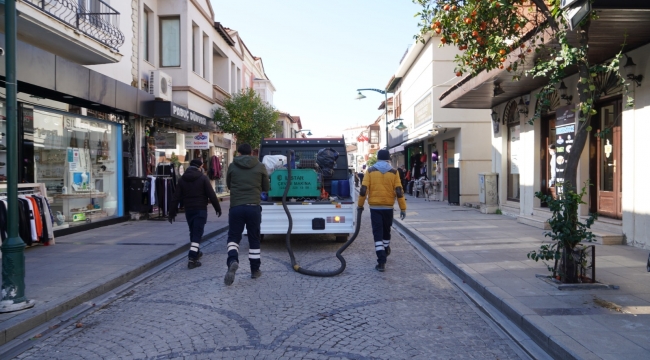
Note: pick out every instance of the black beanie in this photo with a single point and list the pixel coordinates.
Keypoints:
(196, 162)
(383, 155)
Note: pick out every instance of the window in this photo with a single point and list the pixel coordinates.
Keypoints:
(374, 134)
(146, 35)
(206, 56)
(280, 132)
(398, 105)
(170, 42)
(195, 48)
(511, 115)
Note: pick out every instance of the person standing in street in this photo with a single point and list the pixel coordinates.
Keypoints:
(382, 185)
(361, 174)
(247, 179)
(194, 189)
(401, 170)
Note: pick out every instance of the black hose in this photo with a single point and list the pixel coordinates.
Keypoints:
(294, 264)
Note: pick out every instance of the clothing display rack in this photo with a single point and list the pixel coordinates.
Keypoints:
(36, 222)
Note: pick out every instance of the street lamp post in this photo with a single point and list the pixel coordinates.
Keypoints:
(399, 127)
(299, 131)
(13, 248)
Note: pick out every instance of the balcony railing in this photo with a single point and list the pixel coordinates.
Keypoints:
(94, 18)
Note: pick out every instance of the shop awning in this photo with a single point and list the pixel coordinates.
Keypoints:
(182, 117)
(415, 139)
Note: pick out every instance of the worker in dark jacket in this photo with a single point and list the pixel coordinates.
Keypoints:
(195, 190)
(246, 179)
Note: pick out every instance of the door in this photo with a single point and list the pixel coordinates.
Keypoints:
(609, 157)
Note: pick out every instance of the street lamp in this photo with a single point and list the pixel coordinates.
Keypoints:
(13, 248)
(400, 127)
(299, 131)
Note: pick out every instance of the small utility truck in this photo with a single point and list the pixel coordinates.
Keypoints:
(321, 196)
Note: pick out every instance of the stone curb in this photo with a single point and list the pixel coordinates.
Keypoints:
(38, 315)
(555, 342)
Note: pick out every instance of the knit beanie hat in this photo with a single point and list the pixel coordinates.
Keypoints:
(196, 162)
(383, 155)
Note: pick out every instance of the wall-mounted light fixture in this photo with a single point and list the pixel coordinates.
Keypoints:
(523, 108)
(498, 90)
(495, 116)
(630, 70)
(563, 93)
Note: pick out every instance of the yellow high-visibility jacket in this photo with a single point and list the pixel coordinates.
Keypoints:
(382, 189)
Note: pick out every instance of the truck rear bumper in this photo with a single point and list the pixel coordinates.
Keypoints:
(274, 219)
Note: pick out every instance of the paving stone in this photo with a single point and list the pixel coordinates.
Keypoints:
(409, 311)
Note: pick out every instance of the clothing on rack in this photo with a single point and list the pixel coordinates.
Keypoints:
(34, 219)
(214, 168)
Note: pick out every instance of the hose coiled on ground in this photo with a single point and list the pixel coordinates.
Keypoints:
(294, 264)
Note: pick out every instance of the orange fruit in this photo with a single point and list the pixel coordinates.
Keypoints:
(446, 7)
(438, 30)
(502, 51)
(458, 73)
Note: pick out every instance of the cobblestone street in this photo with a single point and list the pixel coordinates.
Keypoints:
(410, 311)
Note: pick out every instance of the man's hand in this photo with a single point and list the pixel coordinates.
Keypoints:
(218, 213)
(171, 218)
(402, 215)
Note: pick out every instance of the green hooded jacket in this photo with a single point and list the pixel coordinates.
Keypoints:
(246, 179)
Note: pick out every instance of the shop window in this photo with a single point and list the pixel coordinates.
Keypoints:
(170, 42)
(76, 158)
(511, 116)
(146, 34)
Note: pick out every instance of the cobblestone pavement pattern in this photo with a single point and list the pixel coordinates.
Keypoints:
(410, 311)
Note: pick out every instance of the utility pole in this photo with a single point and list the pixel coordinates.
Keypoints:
(13, 248)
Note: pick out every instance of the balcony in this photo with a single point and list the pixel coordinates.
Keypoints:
(83, 31)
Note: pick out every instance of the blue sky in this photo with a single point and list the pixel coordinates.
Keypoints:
(317, 53)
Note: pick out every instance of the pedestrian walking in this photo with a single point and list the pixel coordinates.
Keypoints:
(382, 185)
(361, 174)
(194, 190)
(402, 175)
(247, 179)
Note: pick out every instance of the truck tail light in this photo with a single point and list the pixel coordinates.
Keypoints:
(336, 219)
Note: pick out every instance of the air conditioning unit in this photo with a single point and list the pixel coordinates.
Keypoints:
(160, 85)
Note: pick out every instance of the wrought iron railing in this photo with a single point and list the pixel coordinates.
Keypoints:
(94, 18)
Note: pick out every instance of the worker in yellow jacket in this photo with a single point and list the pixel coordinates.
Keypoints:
(381, 184)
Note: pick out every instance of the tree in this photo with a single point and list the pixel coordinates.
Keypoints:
(248, 117)
(372, 160)
(488, 32)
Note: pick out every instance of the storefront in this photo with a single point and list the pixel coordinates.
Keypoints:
(175, 136)
(75, 156)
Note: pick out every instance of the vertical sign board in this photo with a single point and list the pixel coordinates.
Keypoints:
(565, 129)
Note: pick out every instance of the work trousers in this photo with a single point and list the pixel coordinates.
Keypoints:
(381, 220)
(249, 216)
(196, 220)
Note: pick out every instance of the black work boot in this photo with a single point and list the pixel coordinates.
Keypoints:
(381, 267)
(191, 264)
(230, 274)
(387, 250)
(200, 255)
(256, 273)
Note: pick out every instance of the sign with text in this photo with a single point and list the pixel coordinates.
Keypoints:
(199, 141)
(565, 125)
(165, 140)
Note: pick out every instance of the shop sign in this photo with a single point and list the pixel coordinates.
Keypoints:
(165, 140)
(75, 123)
(199, 141)
(565, 124)
(186, 114)
(220, 141)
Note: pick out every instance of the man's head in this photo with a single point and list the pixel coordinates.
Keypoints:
(196, 163)
(244, 149)
(383, 155)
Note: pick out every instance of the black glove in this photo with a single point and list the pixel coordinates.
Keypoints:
(171, 218)
(218, 213)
